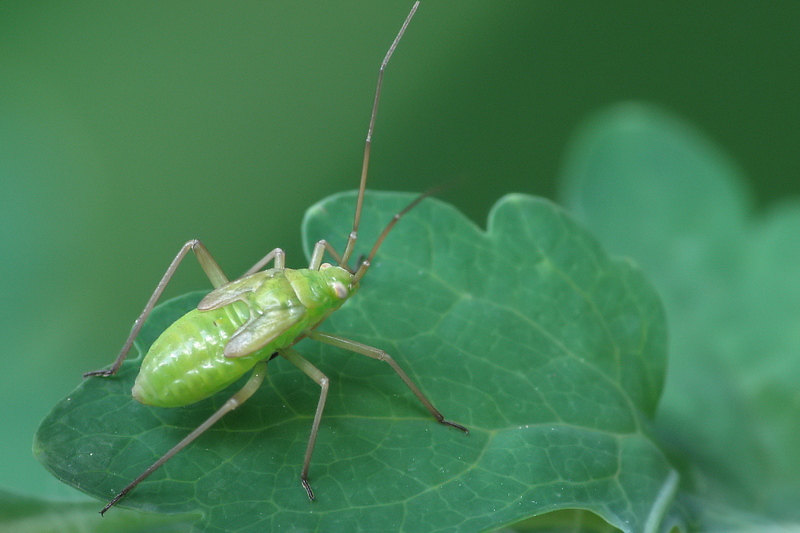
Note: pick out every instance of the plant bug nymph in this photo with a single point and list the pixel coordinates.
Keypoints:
(244, 323)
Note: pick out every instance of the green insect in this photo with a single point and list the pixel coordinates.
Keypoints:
(243, 324)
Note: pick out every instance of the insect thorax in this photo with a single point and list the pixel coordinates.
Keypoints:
(327, 287)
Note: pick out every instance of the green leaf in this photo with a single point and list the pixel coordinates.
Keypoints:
(657, 190)
(551, 353)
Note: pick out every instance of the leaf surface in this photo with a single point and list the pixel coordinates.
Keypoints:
(550, 352)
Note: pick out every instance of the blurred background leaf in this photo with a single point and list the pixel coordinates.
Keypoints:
(28, 514)
(128, 128)
(655, 189)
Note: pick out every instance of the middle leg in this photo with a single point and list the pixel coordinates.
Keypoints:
(322, 380)
(277, 254)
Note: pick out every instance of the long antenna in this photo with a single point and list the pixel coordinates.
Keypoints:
(365, 264)
(351, 240)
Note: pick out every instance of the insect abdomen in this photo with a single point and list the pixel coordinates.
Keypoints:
(186, 363)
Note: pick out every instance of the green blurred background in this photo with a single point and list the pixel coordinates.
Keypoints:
(128, 128)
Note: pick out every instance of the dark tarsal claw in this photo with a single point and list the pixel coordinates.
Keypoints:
(101, 373)
(308, 489)
(456, 425)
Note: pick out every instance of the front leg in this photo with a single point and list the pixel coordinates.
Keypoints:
(319, 252)
(380, 355)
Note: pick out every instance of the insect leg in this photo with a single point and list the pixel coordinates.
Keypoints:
(277, 254)
(380, 355)
(322, 380)
(259, 372)
(319, 252)
(210, 267)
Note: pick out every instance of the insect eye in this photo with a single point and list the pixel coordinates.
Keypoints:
(341, 290)
(324, 266)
